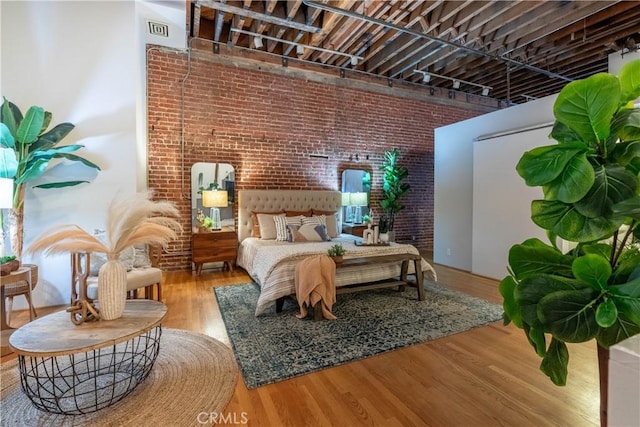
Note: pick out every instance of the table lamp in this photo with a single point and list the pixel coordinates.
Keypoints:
(6, 202)
(358, 200)
(215, 199)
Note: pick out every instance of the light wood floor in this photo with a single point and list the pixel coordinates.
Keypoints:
(488, 376)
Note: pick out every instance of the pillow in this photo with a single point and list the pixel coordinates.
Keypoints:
(267, 225)
(141, 256)
(255, 229)
(282, 232)
(308, 212)
(308, 233)
(331, 221)
(317, 220)
(98, 259)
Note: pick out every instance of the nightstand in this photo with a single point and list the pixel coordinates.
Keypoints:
(214, 246)
(354, 229)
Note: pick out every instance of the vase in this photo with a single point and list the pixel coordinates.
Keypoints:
(337, 259)
(112, 289)
(384, 237)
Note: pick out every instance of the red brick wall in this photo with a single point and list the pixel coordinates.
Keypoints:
(267, 126)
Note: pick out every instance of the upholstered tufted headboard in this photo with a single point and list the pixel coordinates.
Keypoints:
(276, 200)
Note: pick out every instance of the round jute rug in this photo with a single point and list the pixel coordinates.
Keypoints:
(194, 376)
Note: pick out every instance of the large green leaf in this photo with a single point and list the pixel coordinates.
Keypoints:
(6, 139)
(51, 138)
(625, 152)
(510, 306)
(626, 124)
(555, 362)
(622, 329)
(568, 223)
(544, 164)
(592, 269)
(630, 81)
(587, 106)
(602, 249)
(628, 265)
(35, 170)
(629, 207)
(612, 184)
(563, 133)
(570, 315)
(8, 163)
(627, 299)
(31, 125)
(11, 116)
(76, 158)
(538, 341)
(60, 184)
(574, 181)
(532, 289)
(533, 257)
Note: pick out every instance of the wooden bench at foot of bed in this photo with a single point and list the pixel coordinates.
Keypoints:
(401, 282)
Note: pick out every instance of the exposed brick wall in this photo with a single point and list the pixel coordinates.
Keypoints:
(267, 126)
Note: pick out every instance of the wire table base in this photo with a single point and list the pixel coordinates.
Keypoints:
(81, 383)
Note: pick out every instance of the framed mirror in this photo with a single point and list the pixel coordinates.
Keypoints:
(213, 176)
(356, 186)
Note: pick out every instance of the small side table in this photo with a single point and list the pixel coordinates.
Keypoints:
(76, 369)
(214, 246)
(26, 273)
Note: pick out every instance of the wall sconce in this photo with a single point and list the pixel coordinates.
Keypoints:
(257, 41)
(456, 84)
(215, 199)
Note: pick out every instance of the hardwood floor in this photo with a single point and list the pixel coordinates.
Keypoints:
(488, 376)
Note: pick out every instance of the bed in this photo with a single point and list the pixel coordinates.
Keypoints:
(272, 263)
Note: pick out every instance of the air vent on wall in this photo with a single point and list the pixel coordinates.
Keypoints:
(157, 29)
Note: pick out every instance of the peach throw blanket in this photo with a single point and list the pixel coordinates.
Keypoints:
(316, 283)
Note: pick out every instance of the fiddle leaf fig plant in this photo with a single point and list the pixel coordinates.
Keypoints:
(591, 187)
(393, 186)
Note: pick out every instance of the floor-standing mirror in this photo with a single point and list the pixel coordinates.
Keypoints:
(356, 186)
(214, 241)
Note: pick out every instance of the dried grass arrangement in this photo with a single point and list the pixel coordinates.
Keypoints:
(133, 220)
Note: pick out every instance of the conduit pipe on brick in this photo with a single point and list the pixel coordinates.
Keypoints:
(418, 34)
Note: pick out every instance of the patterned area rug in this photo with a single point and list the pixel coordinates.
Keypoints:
(277, 346)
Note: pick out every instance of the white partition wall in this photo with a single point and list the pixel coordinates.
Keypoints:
(501, 200)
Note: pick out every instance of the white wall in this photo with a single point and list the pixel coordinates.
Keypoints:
(478, 241)
(454, 185)
(84, 62)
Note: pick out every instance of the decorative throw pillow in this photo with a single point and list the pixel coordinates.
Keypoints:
(318, 220)
(309, 233)
(267, 226)
(255, 229)
(99, 259)
(331, 221)
(282, 232)
(141, 256)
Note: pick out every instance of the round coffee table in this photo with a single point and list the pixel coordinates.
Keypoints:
(76, 369)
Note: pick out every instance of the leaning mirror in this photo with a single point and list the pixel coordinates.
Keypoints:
(212, 192)
(356, 185)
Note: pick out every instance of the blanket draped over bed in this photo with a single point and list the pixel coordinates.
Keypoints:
(272, 263)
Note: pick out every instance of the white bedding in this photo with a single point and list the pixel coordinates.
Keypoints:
(272, 264)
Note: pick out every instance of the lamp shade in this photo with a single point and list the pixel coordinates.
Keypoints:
(6, 193)
(215, 199)
(346, 200)
(359, 199)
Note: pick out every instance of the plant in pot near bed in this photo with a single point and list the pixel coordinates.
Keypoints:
(590, 181)
(393, 188)
(336, 253)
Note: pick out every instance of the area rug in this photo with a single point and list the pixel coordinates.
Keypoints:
(276, 346)
(193, 375)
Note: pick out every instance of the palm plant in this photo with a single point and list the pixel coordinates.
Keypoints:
(26, 149)
(131, 221)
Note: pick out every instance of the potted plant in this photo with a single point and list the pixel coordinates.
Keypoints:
(590, 182)
(336, 252)
(26, 148)
(393, 188)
